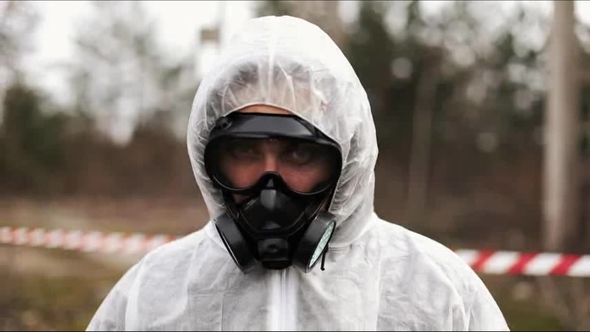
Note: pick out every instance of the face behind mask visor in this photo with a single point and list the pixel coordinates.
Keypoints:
(306, 167)
(282, 170)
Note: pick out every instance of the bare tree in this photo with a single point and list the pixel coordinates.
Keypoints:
(568, 298)
(561, 132)
(419, 170)
(120, 74)
(17, 22)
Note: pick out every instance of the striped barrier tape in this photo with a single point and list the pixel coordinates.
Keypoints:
(489, 262)
(534, 264)
(126, 243)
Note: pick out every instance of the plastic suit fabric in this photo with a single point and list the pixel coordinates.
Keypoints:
(378, 276)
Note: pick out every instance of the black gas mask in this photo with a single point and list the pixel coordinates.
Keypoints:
(277, 175)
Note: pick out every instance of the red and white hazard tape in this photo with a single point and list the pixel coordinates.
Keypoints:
(516, 263)
(489, 262)
(135, 243)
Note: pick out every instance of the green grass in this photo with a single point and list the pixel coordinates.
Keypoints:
(526, 317)
(521, 315)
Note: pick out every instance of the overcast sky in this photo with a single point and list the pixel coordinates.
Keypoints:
(178, 23)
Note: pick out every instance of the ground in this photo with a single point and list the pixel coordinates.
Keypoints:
(54, 289)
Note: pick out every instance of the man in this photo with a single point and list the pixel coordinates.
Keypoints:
(283, 147)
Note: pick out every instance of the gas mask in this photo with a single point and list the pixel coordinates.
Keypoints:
(277, 175)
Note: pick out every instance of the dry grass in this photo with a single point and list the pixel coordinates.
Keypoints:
(51, 289)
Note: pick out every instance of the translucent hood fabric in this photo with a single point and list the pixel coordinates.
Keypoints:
(379, 276)
(291, 64)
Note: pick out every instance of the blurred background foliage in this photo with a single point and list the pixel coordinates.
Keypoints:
(458, 98)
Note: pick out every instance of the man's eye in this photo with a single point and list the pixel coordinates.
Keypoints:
(242, 150)
(302, 154)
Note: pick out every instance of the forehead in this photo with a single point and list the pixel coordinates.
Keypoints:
(264, 109)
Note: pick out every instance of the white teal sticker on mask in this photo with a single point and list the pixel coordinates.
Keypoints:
(321, 245)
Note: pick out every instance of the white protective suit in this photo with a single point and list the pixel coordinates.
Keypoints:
(378, 276)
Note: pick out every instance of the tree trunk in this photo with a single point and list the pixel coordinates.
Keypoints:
(561, 185)
(419, 170)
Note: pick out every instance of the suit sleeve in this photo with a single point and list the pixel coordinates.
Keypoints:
(485, 314)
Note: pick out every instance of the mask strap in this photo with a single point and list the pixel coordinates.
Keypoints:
(324, 258)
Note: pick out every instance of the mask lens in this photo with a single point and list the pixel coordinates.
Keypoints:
(305, 166)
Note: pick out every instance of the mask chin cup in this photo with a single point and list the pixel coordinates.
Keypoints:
(235, 243)
(274, 253)
(314, 242)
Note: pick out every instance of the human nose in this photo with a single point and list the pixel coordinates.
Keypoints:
(271, 160)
